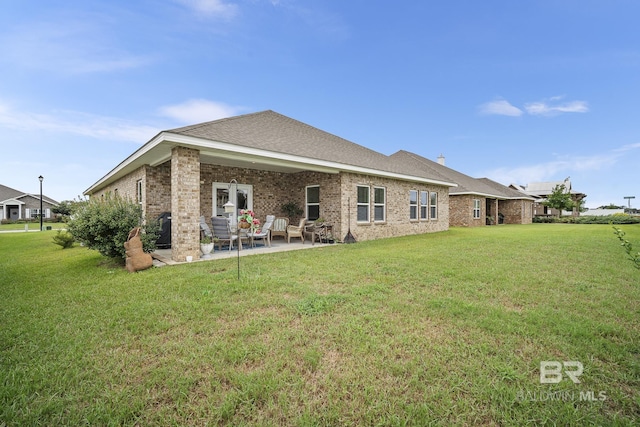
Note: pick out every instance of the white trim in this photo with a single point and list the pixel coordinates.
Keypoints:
(247, 188)
(366, 204)
(168, 140)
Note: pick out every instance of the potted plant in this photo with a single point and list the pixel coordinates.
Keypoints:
(292, 210)
(247, 219)
(206, 246)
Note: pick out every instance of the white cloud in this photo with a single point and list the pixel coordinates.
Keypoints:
(72, 46)
(78, 123)
(628, 147)
(212, 8)
(499, 107)
(556, 169)
(199, 110)
(544, 108)
(548, 107)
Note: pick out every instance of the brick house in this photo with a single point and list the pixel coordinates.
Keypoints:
(16, 205)
(541, 190)
(275, 160)
(475, 201)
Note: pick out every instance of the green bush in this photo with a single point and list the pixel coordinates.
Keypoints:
(590, 219)
(64, 239)
(104, 224)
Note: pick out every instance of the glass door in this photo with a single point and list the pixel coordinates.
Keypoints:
(242, 199)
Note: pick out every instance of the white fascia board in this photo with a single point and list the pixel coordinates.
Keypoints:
(290, 159)
(239, 151)
(491, 196)
(13, 202)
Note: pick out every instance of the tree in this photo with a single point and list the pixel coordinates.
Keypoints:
(559, 199)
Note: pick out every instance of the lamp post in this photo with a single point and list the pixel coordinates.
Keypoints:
(229, 207)
(629, 200)
(40, 178)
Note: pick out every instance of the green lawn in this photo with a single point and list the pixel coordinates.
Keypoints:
(439, 329)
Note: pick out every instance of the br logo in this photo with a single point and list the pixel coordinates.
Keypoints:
(551, 371)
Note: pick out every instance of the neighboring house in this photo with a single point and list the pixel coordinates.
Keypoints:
(16, 205)
(541, 190)
(475, 201)
(192, 171)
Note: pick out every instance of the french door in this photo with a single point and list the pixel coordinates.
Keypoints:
(241, 197)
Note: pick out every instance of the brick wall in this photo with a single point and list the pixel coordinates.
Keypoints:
(461, 211)
(185, 203)
(516, 211)
(397, 222)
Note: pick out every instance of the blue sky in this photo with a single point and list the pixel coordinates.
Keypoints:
(511, 90)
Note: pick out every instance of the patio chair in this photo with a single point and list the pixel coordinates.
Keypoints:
(222, 232)
(312, 230)
(279, 227)
(204, 228)
(296, 230)
(265, 233)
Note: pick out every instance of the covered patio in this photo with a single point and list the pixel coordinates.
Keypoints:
(163, 256)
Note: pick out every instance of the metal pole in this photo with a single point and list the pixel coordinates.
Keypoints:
(41, 178)
(237, 229)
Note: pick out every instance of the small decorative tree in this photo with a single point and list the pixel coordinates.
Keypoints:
(559, 199)
(292, 210)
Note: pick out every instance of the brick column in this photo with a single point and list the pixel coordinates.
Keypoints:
(185, 204)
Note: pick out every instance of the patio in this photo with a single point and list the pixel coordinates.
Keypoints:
(163, 256)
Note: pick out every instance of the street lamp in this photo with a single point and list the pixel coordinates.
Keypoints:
(229, 207)
(40, 178)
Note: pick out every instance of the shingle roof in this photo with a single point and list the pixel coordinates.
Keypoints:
(268, 130)
(8, 193)
(466, 184)
(275, 140)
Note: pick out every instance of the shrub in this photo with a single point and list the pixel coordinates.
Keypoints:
(590, 219)
(628, 247)
(104, 224)
(64, 239)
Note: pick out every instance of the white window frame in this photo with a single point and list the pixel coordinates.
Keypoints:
(224, 186)
(366, 205)
(308, 204)
(413, 205)
(477, 210)
(139, 191)
(377, 205)
(424, 205)
(433, 205)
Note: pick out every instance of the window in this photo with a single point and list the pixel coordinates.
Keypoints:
(413, 204)
(476, 208)
(363, 203)
(243, 199)
(434, 205)
(424, 204)
(379, 203)
(139, 191)
(313, 202)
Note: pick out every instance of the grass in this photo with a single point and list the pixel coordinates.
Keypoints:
(439, 329)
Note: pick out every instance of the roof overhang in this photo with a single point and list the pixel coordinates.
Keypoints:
(158, 151)
(11, 202)
(490, 196)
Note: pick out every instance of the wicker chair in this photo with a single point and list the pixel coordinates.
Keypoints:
(279, 227)
(296, 230)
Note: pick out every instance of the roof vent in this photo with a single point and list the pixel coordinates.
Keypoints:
(441, 159)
